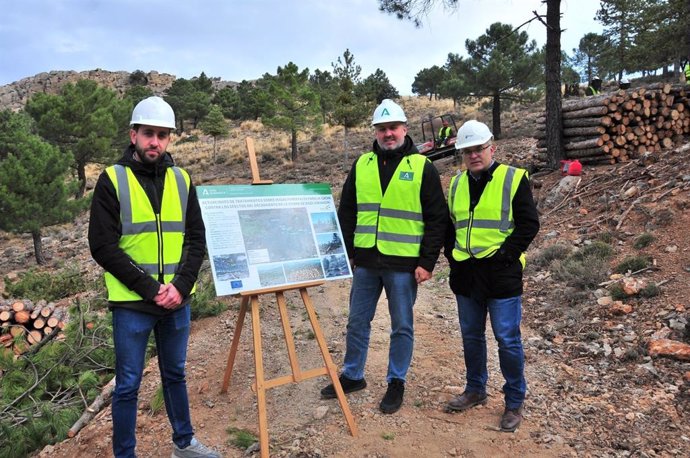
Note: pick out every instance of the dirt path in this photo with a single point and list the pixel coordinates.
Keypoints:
(297, 423)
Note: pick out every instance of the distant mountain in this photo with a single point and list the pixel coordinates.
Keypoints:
(15, 95)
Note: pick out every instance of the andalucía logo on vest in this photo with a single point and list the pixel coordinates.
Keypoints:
(406, 176)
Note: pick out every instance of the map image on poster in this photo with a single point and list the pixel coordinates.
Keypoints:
(270, 236)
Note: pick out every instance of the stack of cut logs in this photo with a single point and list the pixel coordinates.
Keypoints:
(623, 125)
(23, 323)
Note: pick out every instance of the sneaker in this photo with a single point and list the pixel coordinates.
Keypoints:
(195, 449)
(393, 398)
(511, 419)
(347, 384)
(465, 401)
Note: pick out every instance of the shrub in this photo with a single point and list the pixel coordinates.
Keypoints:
(51, 286)
(643, 240)
(240, 438)
(616, 292)
(586, 267)
(650, 290)
(633, 264)
(545, 257)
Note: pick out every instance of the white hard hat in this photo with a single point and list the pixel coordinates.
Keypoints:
(473, 133)
(388, 111)
(153, 111)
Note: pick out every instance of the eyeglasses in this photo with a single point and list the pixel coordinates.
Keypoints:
(477, 151)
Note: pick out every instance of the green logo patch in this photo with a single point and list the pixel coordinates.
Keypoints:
(406, 176)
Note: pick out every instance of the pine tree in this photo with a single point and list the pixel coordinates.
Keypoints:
(295, 104)
(214, 125)
(33, 191)
(87, 122)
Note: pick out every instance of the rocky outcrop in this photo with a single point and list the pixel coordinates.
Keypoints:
(15, 95)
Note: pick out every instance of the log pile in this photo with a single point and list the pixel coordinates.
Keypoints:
(23, 323)
(623, 125)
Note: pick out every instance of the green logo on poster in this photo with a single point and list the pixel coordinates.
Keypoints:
(406, 176)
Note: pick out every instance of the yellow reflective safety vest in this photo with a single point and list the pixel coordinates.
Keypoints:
(153, 241)
(392, 221)
(444, 132)
(686, 70)
(481, 232)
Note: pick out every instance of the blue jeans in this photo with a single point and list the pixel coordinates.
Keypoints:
(505, 316)
(131, 330)
(401, 291)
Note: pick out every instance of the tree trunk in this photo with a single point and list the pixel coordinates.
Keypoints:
(554, 120)
(38, 247)
(293, 144)
(81, 174)
(496, 114)
(214, 149)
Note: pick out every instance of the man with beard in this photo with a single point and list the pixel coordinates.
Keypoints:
(392, 214)
(147, 232)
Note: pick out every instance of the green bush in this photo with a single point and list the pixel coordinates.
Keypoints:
(643, 240)
(545, 257)
(241, 438)
(35, 284)
(650, 290)
(633, 264)
(616, 292)
(586, 267)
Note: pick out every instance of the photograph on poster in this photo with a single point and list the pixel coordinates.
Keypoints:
(270, 236)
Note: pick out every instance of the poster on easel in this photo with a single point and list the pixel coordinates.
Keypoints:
(271, 236)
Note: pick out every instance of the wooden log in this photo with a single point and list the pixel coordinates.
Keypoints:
(47, 310)
(93, 409)
(582, 153)
(582, 145)
(18, 306)
(6, 340)
(587, 102)
(584, 131)
(47, 330)
(583, 122)
(17, 330)
(22, 316)
(34, 337)
(586, 112)
(39, 323)
(6, 316)
(55, 319)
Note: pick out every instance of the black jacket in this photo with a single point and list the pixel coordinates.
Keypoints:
(105, 230)
(434, 211)
(498, 276)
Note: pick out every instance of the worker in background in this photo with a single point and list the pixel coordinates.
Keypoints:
(393, 214)
(147, 233)
(594, 87)
(444, 134)
(686, 71)
(624, 84)
(493, 219)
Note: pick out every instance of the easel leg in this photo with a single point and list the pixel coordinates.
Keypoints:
(235, 344)
(330, 366)
(260, 384)
(289, 340)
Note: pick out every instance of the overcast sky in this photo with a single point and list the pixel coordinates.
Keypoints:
(242, 40)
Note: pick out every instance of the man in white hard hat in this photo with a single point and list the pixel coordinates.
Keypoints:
(147, 233)
(493, 219)
(392, 214)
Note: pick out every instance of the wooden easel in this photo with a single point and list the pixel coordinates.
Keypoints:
(298, 375)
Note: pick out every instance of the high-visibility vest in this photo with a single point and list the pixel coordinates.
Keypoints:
(686, 70)
(594, 91)
(444, 132)
(153, 241)
(481, 232)
(392, 221)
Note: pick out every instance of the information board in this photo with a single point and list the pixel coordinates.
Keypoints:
(263, 236)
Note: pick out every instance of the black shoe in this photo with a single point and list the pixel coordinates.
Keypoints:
(394, 396)
(348, 385)
(465, 401)
(511, 419)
